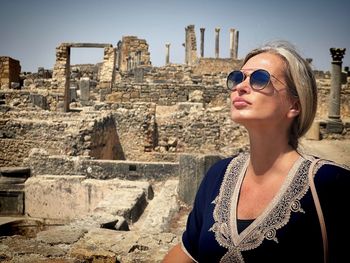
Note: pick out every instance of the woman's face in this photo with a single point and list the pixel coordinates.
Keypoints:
(271, 106)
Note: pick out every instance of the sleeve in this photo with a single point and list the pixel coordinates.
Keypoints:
(334, 186)
(190, 238)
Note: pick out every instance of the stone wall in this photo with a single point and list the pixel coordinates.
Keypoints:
(133, 52)
(136, 128)
(61, 70)
(190, 128)
(107, 72)
(73, 135)
(10, 70)
(41, 163)
(216, 65)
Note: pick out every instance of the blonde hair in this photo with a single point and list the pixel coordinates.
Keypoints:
(301, 85)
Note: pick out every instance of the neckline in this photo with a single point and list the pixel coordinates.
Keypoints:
(238, 237)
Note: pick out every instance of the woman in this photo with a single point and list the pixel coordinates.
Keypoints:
(258, 207)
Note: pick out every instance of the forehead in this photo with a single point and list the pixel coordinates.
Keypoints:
(273, 63)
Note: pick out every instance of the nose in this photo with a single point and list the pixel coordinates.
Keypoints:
(244, 86)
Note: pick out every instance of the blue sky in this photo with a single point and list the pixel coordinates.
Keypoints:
(30, 30)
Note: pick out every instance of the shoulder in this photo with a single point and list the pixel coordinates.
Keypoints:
(332, 174)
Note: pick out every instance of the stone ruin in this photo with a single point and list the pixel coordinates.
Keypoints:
(100, 163)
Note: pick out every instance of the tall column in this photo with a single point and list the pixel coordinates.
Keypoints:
(235, 44)
(334, 123)
(167, 48)
(202, 41)
(186, 46)
(217, 32)
(190, 45)
(232, 37)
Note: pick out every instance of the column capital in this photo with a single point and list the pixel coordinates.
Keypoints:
(232, 30)
(202, 29)
(167, 44)
(337, 54)
(217, 29)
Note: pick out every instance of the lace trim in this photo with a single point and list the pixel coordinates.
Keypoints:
(274, 217)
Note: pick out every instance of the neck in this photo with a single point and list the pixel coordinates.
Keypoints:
(270, 151)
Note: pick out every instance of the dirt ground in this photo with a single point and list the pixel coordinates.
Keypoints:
(334, 150)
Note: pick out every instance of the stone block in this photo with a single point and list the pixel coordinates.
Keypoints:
(79, 197)
(334, 126)
(192, 169)
(314, 132)
(11, 202)
(39, 100)
(84, 86)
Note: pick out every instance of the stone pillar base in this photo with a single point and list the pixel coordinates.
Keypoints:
(335, 126)
(314, 132)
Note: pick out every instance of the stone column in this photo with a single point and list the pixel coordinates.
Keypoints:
(235, 44)
(232, 37)
(186, 46)
(217, 32)
(167, 47)
(202, 41)
(190, 46)
(334, 124)
(67, 99)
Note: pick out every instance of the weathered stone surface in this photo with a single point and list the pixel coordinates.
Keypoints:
(123, 246)
(79, 197)
(22, 246)
(161, 209)
(61, 235)
(192, 170)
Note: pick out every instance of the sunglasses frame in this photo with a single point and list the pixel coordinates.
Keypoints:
(245, 75)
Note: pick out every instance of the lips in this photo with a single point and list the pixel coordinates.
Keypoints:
(239, 102)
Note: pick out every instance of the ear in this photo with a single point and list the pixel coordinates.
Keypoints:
(294, 110)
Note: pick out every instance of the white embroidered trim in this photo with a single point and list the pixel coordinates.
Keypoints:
(186, 252)
(274, 217)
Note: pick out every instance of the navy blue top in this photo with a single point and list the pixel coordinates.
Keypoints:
(290, 232)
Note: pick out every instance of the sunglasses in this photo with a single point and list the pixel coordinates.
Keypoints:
(258, 79)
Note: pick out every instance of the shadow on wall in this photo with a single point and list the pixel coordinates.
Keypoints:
(106, 143)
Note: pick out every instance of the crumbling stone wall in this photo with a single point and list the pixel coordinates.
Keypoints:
(61, 70)
(76, 134)
(136, 127)
(107, 71)
(133, 52)
(199, 130)
(10, 70)
(206, 66)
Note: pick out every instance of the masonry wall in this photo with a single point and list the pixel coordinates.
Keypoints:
(72, 135)
(216, 65)
(130, 46)
(10, 70)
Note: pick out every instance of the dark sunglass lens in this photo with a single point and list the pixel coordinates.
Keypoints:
(259, 79)
(233, 79)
